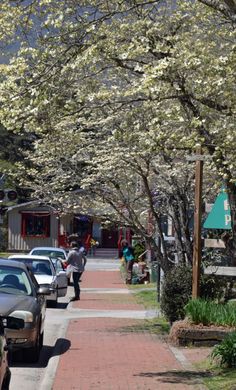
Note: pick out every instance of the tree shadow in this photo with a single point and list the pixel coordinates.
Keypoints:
(176, 377)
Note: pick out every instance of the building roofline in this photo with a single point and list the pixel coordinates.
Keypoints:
(33, 202)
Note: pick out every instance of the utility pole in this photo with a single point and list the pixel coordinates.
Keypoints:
(197, 247)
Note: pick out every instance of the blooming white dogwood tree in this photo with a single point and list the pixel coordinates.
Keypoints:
(119, 94)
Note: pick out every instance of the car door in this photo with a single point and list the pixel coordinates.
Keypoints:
(40, 299)
(3, 354)
(61, 278)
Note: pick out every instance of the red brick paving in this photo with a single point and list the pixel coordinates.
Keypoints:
(100, 301)
(102, 279)
(105, 354)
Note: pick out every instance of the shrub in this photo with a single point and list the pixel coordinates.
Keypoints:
(198, 311)
(211, 313)
(139, 249)
(176, 292)
(3, 238)
(213, 287)
(225, 352)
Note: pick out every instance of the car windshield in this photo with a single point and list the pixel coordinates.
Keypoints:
(14, 281)
(49, 253)
(38, 266)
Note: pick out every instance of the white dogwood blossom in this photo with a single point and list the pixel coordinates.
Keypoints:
(120, 93)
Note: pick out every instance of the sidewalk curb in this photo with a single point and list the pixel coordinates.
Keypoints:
(187, 366)
(51, 369)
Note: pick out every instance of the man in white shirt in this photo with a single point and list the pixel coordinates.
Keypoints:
(77, 261)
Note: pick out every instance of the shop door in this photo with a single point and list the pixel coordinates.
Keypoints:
(109, 238)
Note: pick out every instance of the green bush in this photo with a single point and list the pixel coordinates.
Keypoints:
(176, 292)
(225, 352)
(211, 313)
(213, 287)
(3, 238)
(139, 249)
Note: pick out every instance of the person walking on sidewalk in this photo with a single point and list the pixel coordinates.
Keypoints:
(76, 261)
(128, 254)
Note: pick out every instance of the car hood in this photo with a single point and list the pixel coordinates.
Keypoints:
(11, 302)
(44, 279)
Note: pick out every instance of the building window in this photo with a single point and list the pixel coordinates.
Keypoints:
(35, 224)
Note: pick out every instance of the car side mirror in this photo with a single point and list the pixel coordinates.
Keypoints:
(43, 291)
(13, 322)
(61, 273)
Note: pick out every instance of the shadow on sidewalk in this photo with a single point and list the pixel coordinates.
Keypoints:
(177, 377)
(61, 346)
(62, 305)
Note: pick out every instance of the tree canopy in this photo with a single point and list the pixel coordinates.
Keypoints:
(119, 93)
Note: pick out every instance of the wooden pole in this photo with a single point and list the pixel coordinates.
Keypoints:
(197, 247)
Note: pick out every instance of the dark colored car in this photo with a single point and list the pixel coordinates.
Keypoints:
(48, 273)
(21, 297)
(5, 373)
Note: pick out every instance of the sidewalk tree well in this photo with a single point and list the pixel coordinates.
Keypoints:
(120, 94)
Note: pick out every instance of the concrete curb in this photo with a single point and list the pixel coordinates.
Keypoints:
(187, 366)
(51, 369)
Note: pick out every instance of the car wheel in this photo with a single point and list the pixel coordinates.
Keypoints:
(6, 380)
(31, 355)
(54, 303)
(41, 340)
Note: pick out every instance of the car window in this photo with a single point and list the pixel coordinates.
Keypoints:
(39, 267)
(14, 281)
(33, 279)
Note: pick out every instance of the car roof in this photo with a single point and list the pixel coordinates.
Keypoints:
(49, 248)
(12, 263)
(30, 257)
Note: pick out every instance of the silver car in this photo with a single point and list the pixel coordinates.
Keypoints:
(50, 252)
(53, 253)
(21, 297)
(48, 273)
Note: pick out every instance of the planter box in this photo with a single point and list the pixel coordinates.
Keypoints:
(183, 333)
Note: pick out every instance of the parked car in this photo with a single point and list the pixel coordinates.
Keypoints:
(50, 252)
(5, 373)
(23, 298)
(48, 273)
(53, 253)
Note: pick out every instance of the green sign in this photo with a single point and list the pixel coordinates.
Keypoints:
(219, 217)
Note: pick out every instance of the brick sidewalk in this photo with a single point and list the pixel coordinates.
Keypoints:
(108, 354)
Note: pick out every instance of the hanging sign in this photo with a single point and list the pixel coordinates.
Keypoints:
(219, 216)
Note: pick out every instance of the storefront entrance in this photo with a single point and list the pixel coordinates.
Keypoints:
(82, 226)
(109, 238)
